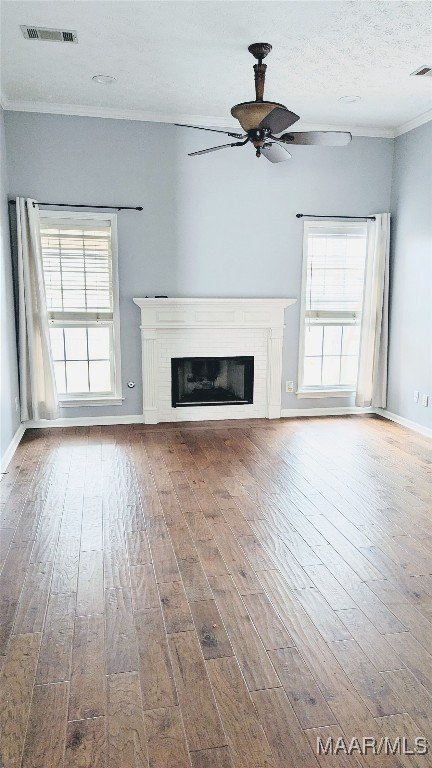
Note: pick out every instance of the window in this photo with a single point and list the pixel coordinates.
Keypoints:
(79, 254)
(334, 258)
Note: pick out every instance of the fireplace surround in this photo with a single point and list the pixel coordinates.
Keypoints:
(228, 329)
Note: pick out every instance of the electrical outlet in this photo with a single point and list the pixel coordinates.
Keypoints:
(290, 386)
(416, 396)
(424, 400)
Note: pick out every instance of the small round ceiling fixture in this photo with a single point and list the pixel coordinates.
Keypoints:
(349, 99)
(103, 79)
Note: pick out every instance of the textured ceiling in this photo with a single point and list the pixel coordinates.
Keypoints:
(189, 61)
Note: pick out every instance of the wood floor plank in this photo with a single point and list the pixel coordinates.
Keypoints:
(288, 743)
(219, 757)
(245, 734)
(199, 712)
(403, 727)
(162, 553)
(138, 548)
(86, 743)
(87, 684)
(371, 686)
(249, 650)
(372, 642)
(330, 588)
(121, 643)
(143, 587)
(175, 607)
(382, 617)
(211, 558)
(324, 618)
(33, 599)
(306, 698)
(46, 731)
(157, 682)
(194, 579)
(126, 738)
(268, 624)
(211, 632)
(8, 609)
(91, 530)
(414, 656)
(417, 701)
(55, 656)
(16, 688)
(235, 559)
(166, 741)
(90, 594)
(116, 568)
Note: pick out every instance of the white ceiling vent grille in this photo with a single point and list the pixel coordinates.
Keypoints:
(424, 71)
(52, 35)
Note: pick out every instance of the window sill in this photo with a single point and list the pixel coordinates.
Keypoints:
(319, 393)
(78, 402)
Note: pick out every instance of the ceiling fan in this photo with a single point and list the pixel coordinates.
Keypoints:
(261, 120)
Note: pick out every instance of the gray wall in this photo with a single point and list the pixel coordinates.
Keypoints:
(9, 416)
(221, 224)
(410, 354)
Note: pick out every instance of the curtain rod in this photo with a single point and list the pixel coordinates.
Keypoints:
(77, 205)
(317, 216)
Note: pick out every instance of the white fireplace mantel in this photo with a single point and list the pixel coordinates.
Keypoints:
(215, 328)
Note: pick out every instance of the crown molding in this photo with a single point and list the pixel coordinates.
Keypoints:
(426, 117)
(205, 121)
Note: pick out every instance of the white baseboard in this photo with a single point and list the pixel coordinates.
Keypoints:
(94, 421)
(84, 421)
(426, 431)
(342, 411)
(10, 450)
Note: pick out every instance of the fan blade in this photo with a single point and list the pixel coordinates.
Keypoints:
(279, 119)
(276, 153)
(213, 130)
(321, 138)
(221, 146)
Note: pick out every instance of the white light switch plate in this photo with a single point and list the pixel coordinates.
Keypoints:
(424, 400)
(416, 396)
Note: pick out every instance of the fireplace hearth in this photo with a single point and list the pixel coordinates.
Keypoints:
(212, 381)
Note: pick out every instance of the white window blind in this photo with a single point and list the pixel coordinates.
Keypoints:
(77, 263)
(335, 269)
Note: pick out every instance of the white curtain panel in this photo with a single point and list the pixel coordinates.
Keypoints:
(372, 375)
(37, 383)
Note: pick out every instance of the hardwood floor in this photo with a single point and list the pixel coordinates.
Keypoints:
(216, 595)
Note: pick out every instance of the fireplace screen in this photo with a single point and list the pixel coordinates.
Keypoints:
(212, 381)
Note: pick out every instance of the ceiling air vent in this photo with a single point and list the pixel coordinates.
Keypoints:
(53, 35)
(424, 71)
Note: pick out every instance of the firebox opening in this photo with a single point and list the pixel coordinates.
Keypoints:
(211, 381)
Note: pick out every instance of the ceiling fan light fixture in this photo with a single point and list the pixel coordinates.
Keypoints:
(252, 114)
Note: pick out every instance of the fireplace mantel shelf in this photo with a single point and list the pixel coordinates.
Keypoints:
(210, 313)
(192, 327)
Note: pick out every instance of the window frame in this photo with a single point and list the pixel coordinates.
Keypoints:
(115, 397)
(320, 391)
